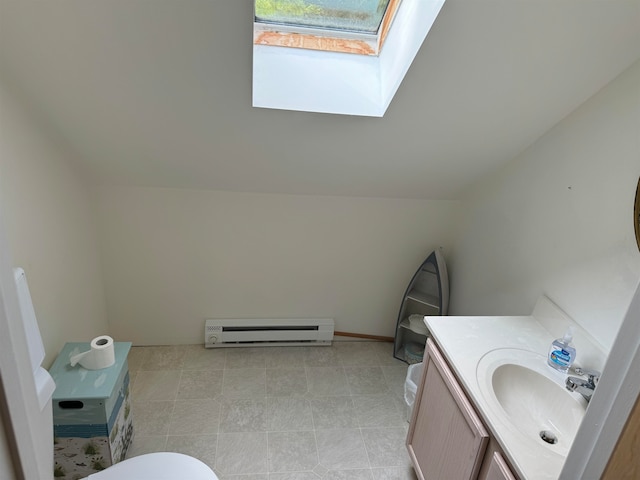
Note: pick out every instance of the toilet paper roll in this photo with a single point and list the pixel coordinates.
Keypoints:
(101, 355)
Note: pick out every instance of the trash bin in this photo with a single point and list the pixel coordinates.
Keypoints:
(414, 373)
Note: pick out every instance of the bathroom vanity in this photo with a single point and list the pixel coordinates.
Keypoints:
(447, 438)
(488, 406)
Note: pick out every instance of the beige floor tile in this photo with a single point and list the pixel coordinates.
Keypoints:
(152, 418)
(292, 451)
(244, 382)
(136, 358)
(288, 414)
(294, 476)
(341, 449)
(354, 474)
(285, 357)
(132, 379)
(202, 447)
(142, 444)
(386, 447)
(394, 473)
(327, 381)
(155, 385)
(198, 416)
(356, 353)
(330, 413)
(378, 411)
(320, 470)
(249, 357)
(243, 415)
(164, 357)
(286, 382)
(384, 354)
(322, 357)
(200, 384)
(395, 376)
(197, 357)
(242, 453)
(257, 476)
(366, 380)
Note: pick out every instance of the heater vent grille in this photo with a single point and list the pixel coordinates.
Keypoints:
(242, 332)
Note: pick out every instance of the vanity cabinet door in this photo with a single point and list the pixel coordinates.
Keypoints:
(446, 438)
(498, 469)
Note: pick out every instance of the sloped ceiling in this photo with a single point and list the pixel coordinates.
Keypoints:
(158, 93)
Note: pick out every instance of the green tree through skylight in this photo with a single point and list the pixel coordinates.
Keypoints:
(362, 16)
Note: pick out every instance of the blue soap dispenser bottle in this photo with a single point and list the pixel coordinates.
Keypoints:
(562, 353)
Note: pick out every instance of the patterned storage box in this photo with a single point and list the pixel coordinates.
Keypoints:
(92, 421)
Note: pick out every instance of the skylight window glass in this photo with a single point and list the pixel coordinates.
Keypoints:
(338, 72)
(359, 16)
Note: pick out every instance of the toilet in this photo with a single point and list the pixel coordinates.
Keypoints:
(157, 466)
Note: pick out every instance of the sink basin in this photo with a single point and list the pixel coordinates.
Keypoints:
(529, 397)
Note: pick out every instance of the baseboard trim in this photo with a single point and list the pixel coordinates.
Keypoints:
(364, 336)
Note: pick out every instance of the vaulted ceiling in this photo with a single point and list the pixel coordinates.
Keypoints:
(158, 93)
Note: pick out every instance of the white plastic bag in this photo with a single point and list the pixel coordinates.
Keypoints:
(414, 373)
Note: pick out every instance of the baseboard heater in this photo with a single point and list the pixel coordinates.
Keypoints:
(244, 332)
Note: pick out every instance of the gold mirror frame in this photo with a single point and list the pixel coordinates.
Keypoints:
(636, 215)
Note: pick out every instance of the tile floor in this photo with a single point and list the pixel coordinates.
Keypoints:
(275, 413)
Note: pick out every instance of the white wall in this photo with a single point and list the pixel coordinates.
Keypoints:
(174, 257)
(49, 221)
(558, 220)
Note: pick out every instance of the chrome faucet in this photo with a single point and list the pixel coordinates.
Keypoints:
(584, 387)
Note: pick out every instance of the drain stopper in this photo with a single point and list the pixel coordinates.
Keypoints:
(548, 437)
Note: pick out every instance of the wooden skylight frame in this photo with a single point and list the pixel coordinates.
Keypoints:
(325, 39)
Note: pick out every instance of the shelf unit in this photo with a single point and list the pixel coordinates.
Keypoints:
(426, 294)
(424, 298)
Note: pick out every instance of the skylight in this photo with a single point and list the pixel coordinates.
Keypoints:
(302, 52)
(361, 16)
(350, 26)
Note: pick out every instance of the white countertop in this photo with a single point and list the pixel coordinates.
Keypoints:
(464, 341)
